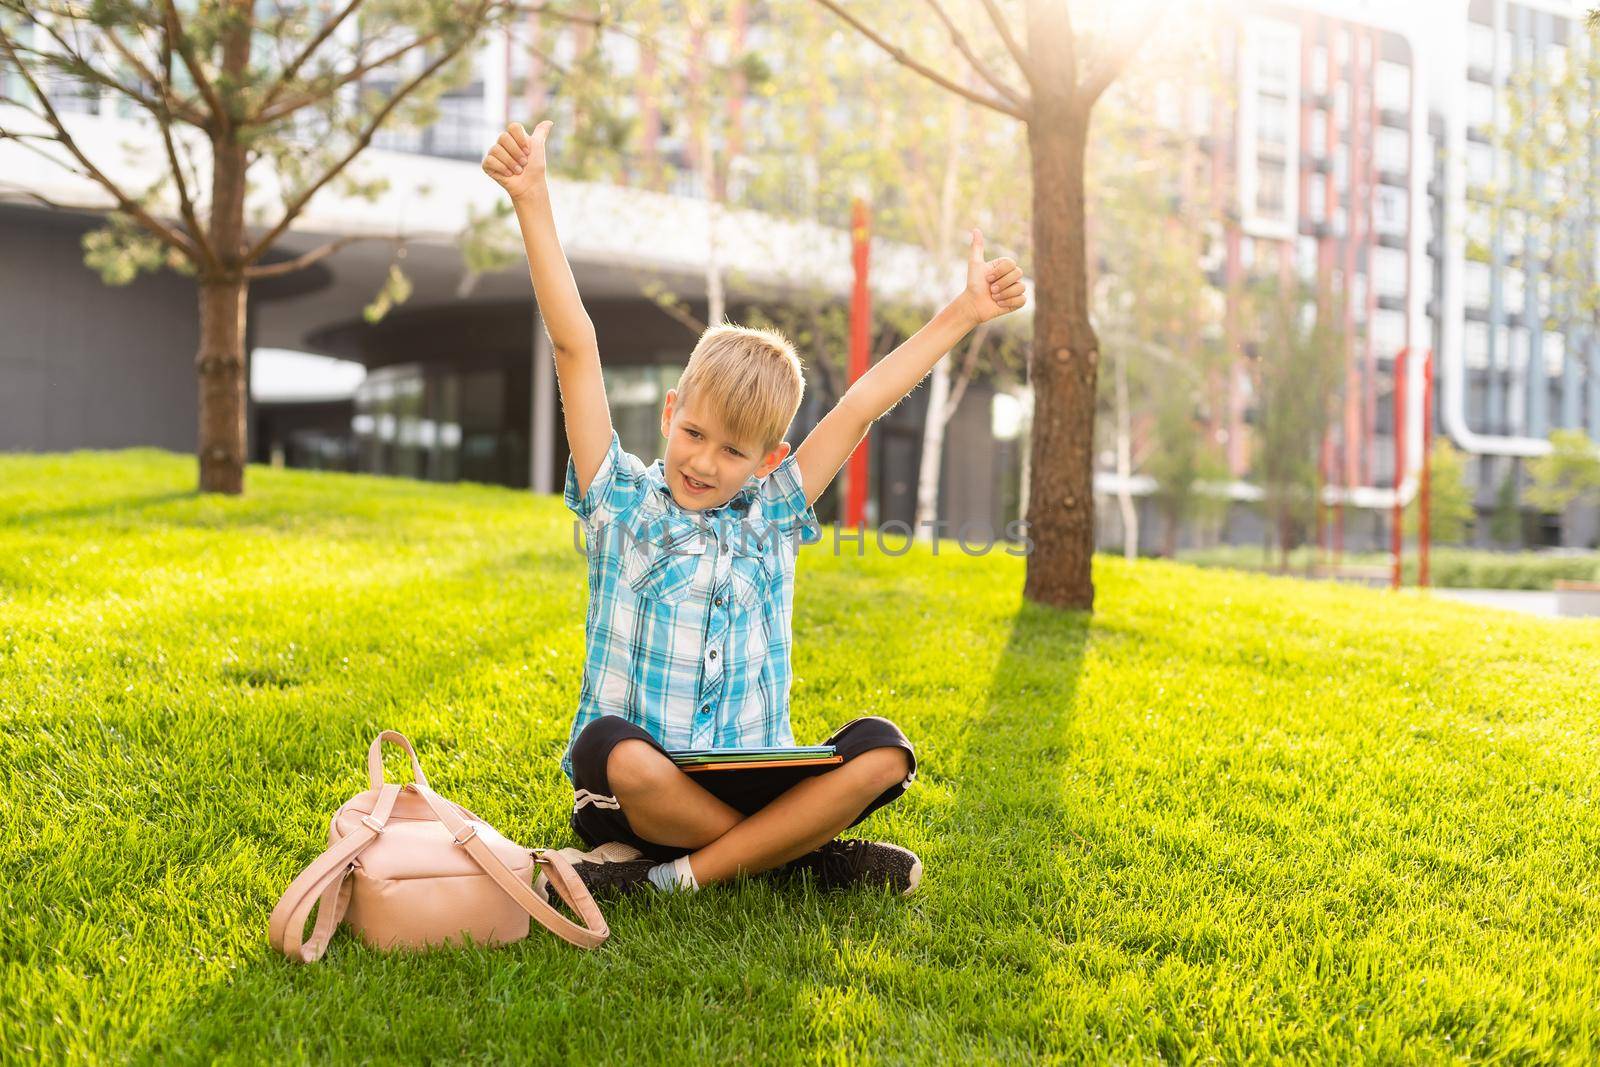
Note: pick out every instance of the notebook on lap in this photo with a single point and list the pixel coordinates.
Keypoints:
(694, 760)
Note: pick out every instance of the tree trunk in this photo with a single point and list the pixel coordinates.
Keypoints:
(220, 364)
(1064, 360)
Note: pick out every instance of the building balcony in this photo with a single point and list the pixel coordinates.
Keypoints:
(1480, 74)
(1397, 178)
(1391, 116)
(1391, 302)
(1392, 240)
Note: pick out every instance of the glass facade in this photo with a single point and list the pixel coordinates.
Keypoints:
(444, 423)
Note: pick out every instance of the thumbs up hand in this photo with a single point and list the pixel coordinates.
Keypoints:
(516, 159)
(994, 286)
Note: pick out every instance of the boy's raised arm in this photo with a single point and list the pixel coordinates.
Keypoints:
(994, 287)
(517, 162)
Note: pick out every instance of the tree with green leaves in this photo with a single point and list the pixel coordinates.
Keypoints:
(1568, 474)
(1505, 521)
(1450, 507)
(1299, 357)
(1049, 76)
(1150, 188)
(223, 86)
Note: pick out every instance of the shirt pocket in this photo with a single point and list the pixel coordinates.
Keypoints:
(752, 574)
(663, 571)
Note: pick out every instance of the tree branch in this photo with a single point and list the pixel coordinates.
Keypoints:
(293, 210)
(316, 255)
(268, 114)
(169, 98)
(173, 27)
(1113, 58)
(295, 103)
(900, 56)
(185, 201)
(165, 233)
(1018, 53)
(293, 68)
(81, 68)
(960, 41)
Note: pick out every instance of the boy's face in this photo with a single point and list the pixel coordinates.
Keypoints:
(704, 466)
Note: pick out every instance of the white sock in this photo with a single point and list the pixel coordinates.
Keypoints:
(673, 877)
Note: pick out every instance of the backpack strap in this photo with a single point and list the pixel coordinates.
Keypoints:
(325, 883)
(375, 758)
(593, 931)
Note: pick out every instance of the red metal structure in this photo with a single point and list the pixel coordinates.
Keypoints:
(860, 339)
(1425, 504)
(1397, 523)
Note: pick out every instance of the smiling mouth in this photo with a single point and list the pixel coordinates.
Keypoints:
(694, 486)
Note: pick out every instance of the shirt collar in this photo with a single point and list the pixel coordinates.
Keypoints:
(657, 476)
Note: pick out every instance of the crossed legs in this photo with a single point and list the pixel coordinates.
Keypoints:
(667, 806)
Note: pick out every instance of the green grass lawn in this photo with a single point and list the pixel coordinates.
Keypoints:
(1232, 817)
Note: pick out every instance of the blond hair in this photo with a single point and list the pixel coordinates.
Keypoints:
(750, 380)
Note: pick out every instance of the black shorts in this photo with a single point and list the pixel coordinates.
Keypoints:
(597, 818)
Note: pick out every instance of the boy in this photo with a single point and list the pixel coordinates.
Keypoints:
(688, 632)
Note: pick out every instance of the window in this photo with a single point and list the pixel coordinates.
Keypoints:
(1317, 134)
(1317, 200)
(1394, 150)
(1513, 293)
(1389, 209)
(1555, 352)
(1306, 254)
(1341, 105)
(1480, 164)
(1480, 104)
(1270, 189)
(1272, 127)
(1480, 46)
(1272, 62)
(1393, 86)
(1388, 332)
(1478, 230)
(1475, 285)
(1519, 348)
(1319, 69)
(1389, 271)
(1475, 345)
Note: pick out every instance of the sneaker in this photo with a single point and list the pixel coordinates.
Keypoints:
(845, 863)
(602, 877)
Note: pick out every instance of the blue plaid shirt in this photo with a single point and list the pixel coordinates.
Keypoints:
(688, 630)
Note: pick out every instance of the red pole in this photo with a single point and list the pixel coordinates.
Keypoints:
(1397, 524)
(860, 339)
(1425, 514)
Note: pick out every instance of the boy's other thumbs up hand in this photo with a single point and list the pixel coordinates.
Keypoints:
(994, 286)
(516, 160)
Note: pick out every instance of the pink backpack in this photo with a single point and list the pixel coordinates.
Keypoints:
(406, 868)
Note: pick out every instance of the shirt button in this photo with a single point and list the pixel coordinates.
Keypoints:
(713, 653)
(718, 602)
(705, 709)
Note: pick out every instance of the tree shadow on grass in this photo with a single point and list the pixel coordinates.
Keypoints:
(999, 871)
(100, 509)
(750, 972)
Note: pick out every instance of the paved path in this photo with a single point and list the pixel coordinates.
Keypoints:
(1529, 602)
